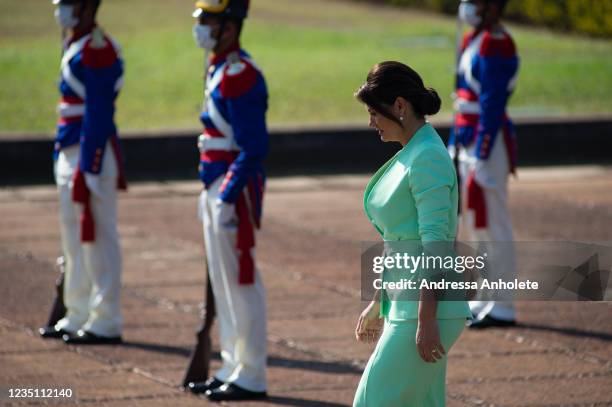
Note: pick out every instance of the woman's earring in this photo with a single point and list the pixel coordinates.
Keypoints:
(401, 118)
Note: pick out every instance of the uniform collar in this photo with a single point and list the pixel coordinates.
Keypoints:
(81, 33)
(218, 58)
(495, 29)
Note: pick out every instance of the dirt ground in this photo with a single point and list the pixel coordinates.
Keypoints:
(308, 252)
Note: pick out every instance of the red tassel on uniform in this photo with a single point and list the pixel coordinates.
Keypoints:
(245, 242)
(81, 194)
(88, 232)
(511, 148)
(121, 181)
(476, 201)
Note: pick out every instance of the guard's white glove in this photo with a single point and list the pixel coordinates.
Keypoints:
(226, 215)
(94, 184)
(482, 174)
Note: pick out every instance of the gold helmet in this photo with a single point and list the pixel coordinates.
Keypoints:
(234, 9)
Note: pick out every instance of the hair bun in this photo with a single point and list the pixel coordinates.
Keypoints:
(430, 102)
(389, 80)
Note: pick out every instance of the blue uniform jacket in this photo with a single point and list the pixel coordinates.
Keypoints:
(234, 142)
(486, 77)
(91, 77)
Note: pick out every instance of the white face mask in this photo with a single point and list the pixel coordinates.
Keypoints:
(468, 13)
(203, 37)
(64, 16)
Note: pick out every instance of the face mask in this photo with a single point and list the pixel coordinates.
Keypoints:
(64, 16)
(203, 37)
(468, 13)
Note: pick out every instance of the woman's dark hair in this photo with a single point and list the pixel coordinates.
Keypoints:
(390, 79)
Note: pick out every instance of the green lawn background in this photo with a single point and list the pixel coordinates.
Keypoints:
(314, 53)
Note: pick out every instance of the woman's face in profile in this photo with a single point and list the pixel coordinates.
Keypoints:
(387, 129)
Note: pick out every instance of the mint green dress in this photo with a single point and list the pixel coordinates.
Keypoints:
(412, 199)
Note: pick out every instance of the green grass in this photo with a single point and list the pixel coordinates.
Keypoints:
(314, 53)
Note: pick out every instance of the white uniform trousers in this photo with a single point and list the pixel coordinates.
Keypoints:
(497, 237)
(241, 309)
(92, 281)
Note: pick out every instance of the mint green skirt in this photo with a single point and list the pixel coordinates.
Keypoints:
(396, 376)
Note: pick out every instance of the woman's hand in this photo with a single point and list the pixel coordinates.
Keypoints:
(428, 340)
(369, 324)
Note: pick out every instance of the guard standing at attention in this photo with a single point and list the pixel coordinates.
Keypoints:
(88, 172)
(484, 142)
(232, 148)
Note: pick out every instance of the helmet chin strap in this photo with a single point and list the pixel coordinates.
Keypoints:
(64, 35)
(221, 29)
(84, 4)
(207, 63)
(483, 23)
(65, 30)
(206, 68)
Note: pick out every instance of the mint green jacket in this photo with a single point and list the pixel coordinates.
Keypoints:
(414, 198)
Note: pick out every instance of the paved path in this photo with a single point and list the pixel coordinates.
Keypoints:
(309, 254)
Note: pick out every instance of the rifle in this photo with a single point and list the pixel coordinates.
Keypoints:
(58, 309)
(199, 361)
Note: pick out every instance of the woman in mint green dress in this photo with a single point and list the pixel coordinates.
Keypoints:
(412, 199)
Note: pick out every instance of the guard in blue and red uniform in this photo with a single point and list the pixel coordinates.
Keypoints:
(483, 141)
(88, 173)
(232, 148)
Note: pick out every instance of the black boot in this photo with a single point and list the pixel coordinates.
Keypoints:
(49, 332)
(89, 338)
(201, 387)
(230, 391)
(490, 322)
